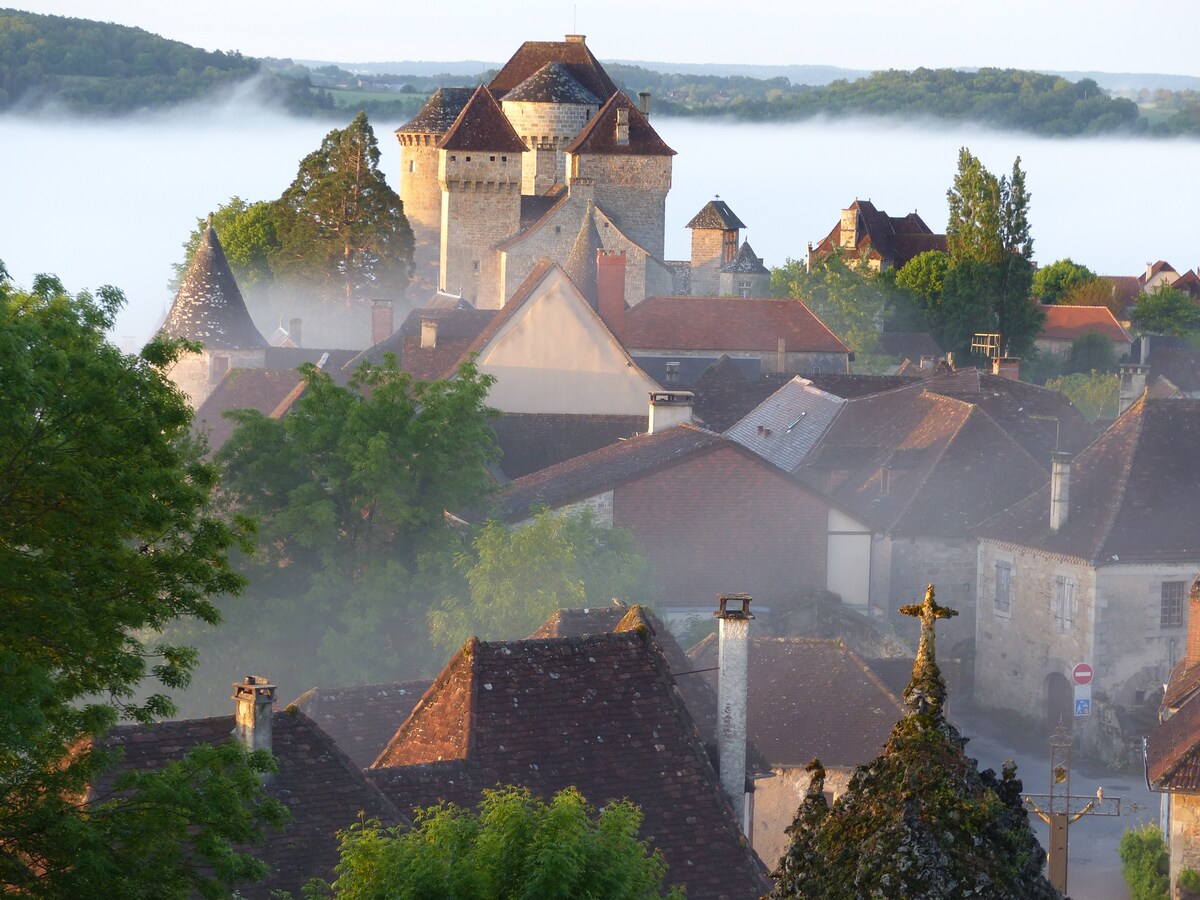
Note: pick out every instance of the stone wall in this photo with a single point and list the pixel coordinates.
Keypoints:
(421, 195)
(546, 128)
(951, 566)
(197, 374)
(708, 247)
(481, 206)
(633, 190)
(776, 801)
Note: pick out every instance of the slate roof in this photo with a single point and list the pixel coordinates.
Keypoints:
(849, 387)
(458, 327)
(727, 324)
(601, 713)
(716, 215)
(535, 207)
(581, 263)
(439, 111)
(1179, 365)
(530, 442)
(810, 697)
(552, 83)
(209, 307)
(949, 465)
(1066, 323)
(270, 391)
(1173, 751)
(573, 55)
(598, 471)
(1125, 288)
(599, 135)
(785, 427)
(1133, 493)
(895, 240)
(324, 790)
(746, 262)
(910, 345)
(482, 126)
(1189, 283)
(362, 719)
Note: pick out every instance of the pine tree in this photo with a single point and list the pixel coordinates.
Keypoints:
(920, 820)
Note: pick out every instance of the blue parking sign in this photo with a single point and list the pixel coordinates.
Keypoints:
(1083, 707)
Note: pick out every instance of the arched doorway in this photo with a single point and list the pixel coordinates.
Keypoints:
(1060, 701)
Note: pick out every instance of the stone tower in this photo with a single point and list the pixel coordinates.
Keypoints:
(419, 188)
(631, 167)
(209, 309)
(714, 244)
(479, 172)
(746, 276)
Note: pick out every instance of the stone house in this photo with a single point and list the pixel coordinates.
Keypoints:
(870, 235)
(1094, 567)
(322, 788)
(1172, 752)
(1065, 324)
(709, 514)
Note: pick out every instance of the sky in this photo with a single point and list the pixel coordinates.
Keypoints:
(1059, 35)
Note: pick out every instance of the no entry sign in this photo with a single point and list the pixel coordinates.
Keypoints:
(1082, 673)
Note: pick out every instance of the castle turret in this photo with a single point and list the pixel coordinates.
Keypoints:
(715, 231)
(209, 309)
(631, 167)
(746, 276)
(479, 172)
(547, 110)
(419, 188)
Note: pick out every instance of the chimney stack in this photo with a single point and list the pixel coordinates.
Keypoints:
(622, 126)
(733, 642)
(381, 321)
(1192, 651)
(610, 290)
(644, 103)
(1007, 367)
(294, 331)
(668, 409)
(429, 330)
(1133, 384)
(1060, 485)
(255, 699)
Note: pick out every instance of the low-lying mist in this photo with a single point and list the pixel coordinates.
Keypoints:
(112, 201)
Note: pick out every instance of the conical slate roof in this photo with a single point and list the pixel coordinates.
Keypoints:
(746, 262)
(581, 264)
(209, 307)
(482, 126)
(439, 112)
(716, 215)
(552, 83)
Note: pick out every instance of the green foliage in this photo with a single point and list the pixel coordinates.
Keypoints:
(1095, 394)
(1166, 311)
(1144, 863)
(1051, 283)
(106, 537)
(248, 237)
(988, 281)
(339, 222)
(920, 820)
(850, 300)
(1091, 353)
(515, 846)
(518, 577)
(350, 490)
(1189, 879)
(99, 67)
(1097, 292)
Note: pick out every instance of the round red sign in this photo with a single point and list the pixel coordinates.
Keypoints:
(1082, 674)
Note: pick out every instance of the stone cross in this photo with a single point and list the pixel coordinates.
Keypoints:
(928, 612)
(926, 693)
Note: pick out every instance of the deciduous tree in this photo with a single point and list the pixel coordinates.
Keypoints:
(106, 537)
(1051, 283)
(1166, 311)
(248, 237)
(516, 845)
(848, 299)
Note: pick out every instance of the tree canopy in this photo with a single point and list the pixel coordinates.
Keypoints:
(920, 820)
(1053, 282)
(846, 298)
(1166, 310)
(106, 537)
(515, 845)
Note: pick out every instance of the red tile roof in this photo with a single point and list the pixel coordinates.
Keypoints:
(601, 713)
(1066, 323)
(1133, 493)
(1173, 751)
(269, 391)
(811, 697)
(324, 790)
(457, 328)
(362, 719)
(482, 126)
(575, 57)
(727, 324)
(600, 134)
(894, 240)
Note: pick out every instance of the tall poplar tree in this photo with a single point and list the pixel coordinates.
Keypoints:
(340, 223)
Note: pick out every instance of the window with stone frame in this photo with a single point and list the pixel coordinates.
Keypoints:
(1063, 606)
(1002, 602)
(1170, 611)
